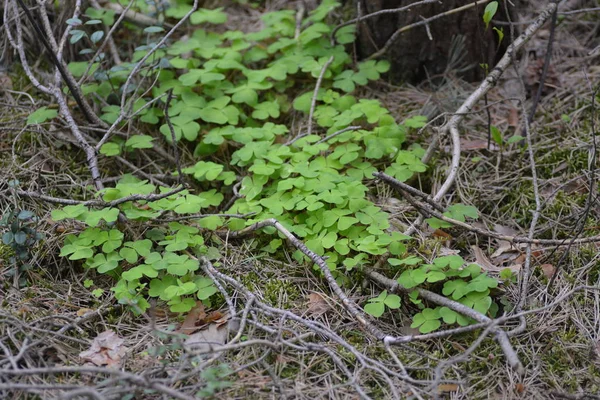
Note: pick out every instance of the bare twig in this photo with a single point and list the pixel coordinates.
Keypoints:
(377, 13)
(512, 239)
(100, 203)
(501, 336)
(334, 134)
(426, 21)
(489, 82)
(173, 138)
(67, 77)
(313, 103)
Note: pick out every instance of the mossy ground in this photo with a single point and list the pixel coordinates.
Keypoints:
(559, 348)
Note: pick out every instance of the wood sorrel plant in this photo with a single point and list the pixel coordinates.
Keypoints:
(234, 95)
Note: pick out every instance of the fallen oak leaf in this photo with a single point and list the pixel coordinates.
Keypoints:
(447, 387)
(548, 270)
(487, 265)
(484, 262)
(195, 315)
(317, 305)
(106, 349)
(82, 311)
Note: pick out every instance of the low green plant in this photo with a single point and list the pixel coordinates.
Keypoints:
(21, 235)
(234, 95)
(214, 379)
(376, 306)
(466, 284)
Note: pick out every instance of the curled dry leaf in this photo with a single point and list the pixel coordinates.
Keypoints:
(107, 349)
(503, 245)
(478, 144)
(548, 270)
(445, 251)
(82, 311)
(484, 262)
(513, 117)
(440, 234)
(196, 314)
(211, 337)
(317, 305)
(520, 388)
(493, 266)
(447, 387)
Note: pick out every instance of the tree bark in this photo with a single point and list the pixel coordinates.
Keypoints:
(458, 42)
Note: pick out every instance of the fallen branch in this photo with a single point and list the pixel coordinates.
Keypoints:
(429, 211)
(100, 203)
(501, 336)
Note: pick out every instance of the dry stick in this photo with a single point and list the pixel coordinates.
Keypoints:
(547, 58)
(173, 138)
(591, 183)
(315, 326)
(526, 272)
(134, 379)
(140, 64)
(377, 13)
(107, 40)
(67, 77)
(501, 336)
(488, 83)
(198, 216)
(464, 356)
(432, 212)
(55, 92)
(134, 17)
(426, 21)
(100, 203)
(138, 171)
(124, 110)
(60, 45)
(504, 319)
(334, 134)
(313, 103)
(299, 16)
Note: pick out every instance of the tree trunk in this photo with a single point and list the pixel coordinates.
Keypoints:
(458, 42)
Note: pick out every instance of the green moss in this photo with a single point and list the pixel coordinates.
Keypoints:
(280, 293)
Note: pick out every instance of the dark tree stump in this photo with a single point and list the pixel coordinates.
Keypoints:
(460, 41)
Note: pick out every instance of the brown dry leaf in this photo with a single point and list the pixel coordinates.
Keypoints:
(82, 311)
(503, 245)
(513, 117)
(438, 233)
(208, 338)
(217, 317)
(107, 349)
(317, 305)
(560, 167)
(195, 315)
(5, 83)
(520, 388)
(497, 264)
(549, 270)
(477, 144)
(447, 387)
(484, 262)
(446, 251)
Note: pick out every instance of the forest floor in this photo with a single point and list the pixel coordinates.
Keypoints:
(304, 344)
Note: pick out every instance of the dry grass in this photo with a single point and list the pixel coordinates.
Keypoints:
(41, 325)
